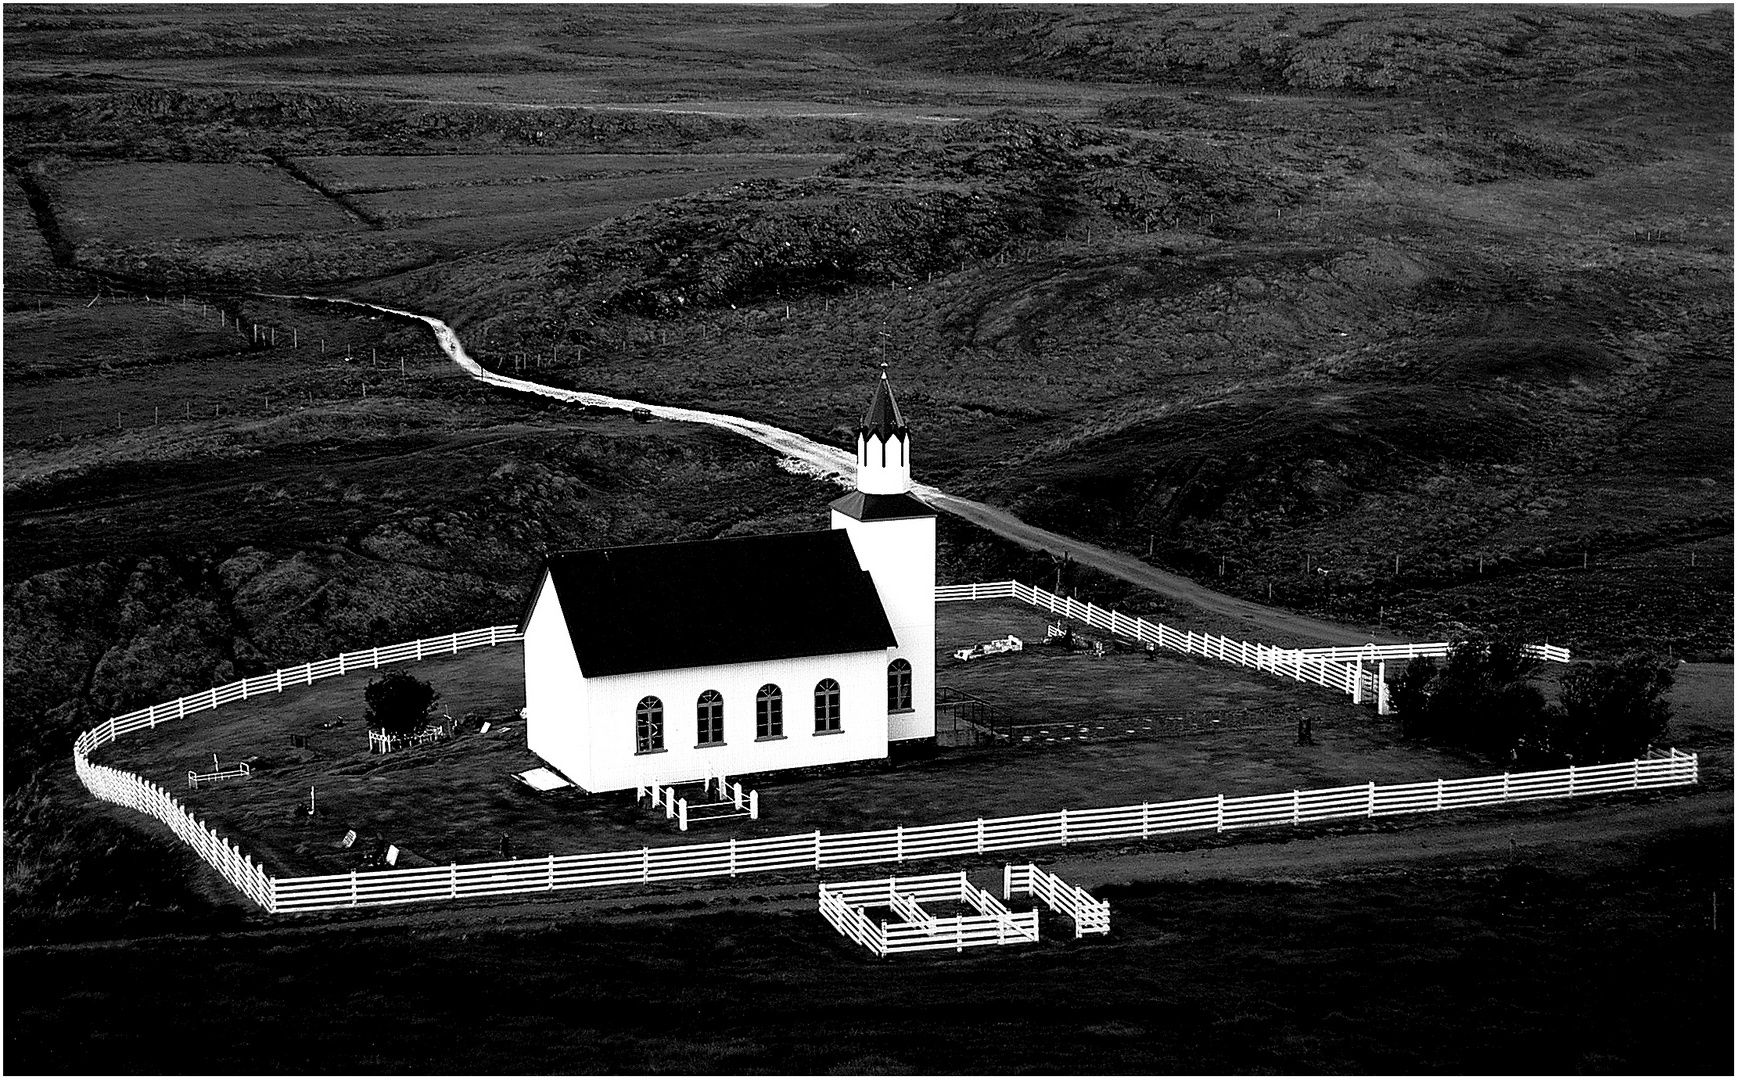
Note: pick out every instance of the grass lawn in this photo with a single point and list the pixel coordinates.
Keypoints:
(454, 801)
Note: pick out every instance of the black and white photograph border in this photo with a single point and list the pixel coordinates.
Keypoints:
(856, 539)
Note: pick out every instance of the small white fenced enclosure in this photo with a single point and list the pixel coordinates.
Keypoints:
(843, 906)
(732, 802)
(1089, 916)
(811, 850)
(379, 742)
(240, 770)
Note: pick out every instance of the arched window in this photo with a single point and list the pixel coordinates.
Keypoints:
(827, 705)
(709, 710)
(649, 726)
(769, 713)
(899, 686)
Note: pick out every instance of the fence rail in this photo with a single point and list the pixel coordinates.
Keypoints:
(136, 793)
(813, 850)
(1340, 668)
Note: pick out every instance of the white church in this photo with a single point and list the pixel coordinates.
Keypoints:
(667, 663)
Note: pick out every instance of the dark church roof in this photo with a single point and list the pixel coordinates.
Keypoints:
(882, 417)
(866, 507)
(657, 606)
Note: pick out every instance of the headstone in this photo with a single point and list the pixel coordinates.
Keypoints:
(349, 839)
(485, 728)
(392, 855)
(299, 742)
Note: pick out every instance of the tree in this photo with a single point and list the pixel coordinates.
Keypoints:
(1410, 696)
(1482, 700)
(399, 703)
(1613, 710)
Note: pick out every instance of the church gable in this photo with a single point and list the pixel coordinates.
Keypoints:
(740, 600)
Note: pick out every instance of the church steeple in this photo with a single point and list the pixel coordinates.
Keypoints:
(883, 444)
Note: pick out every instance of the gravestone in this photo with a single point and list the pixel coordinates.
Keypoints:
(392, 855)
(485, 728)
(349, 839)
(298, 742)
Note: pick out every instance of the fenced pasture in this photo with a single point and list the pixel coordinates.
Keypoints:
(733, 856)
(451, 802)
(147, 204)
(111, 336)
(478, 200)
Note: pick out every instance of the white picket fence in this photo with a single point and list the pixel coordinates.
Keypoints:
(842, 905)
(1090, 916)
(136, 793)
(793, 852)
(1340, 668)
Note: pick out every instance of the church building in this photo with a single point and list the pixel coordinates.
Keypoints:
(667, 663)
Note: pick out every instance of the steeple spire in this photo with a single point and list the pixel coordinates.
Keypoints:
(883, 444)
(882, 418)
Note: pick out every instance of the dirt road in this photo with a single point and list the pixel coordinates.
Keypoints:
(1269, 625)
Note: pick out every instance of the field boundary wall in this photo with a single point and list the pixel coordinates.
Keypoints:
(801, 851)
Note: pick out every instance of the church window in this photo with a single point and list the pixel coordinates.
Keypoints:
(710, 712)
(769, 713)
(827, 705)
(899, 686)
(649, 726)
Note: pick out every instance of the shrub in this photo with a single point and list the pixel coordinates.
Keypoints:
(1482, 700)
(399, 703)
(1613, 710)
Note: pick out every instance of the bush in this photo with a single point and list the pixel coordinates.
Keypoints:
(399, 703)
(1612, 711)
(1482, 700)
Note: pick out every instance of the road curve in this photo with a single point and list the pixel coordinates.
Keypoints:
(1271, 625)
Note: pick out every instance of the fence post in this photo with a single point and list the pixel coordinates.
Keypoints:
(980, 836)
(1635, 773)
(1295, 800)
(1505, 786)
(645, 864)
(754, 806)
(352, 888)
(455, 880)
(340, 664)
(376, 656)
(1063, 817)
(733, 856)
(552, 871)
(1571, 780)
(817, 849)
(898, 846)
(1221, 813)
(1439, 793)
(682, 814)
(1007, 881)
(1372, 810)
(1146, 823)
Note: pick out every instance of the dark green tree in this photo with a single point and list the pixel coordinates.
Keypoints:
(1482, 700)
(1613, 710)
(1409, 694)
(399, 703)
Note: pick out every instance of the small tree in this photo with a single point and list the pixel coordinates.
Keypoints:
(1482, 700)
(1612, 711)
(399, 703)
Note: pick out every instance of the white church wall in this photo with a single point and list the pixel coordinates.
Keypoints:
(555, 692)
(900, 555)
(613, 699)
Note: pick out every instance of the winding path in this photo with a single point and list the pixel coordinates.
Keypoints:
(1273, 626)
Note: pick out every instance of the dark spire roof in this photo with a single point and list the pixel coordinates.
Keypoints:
(731, 601)
(882, 418)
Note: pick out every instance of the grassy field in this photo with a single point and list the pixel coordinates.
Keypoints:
(144, 203)
(1587, 954)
